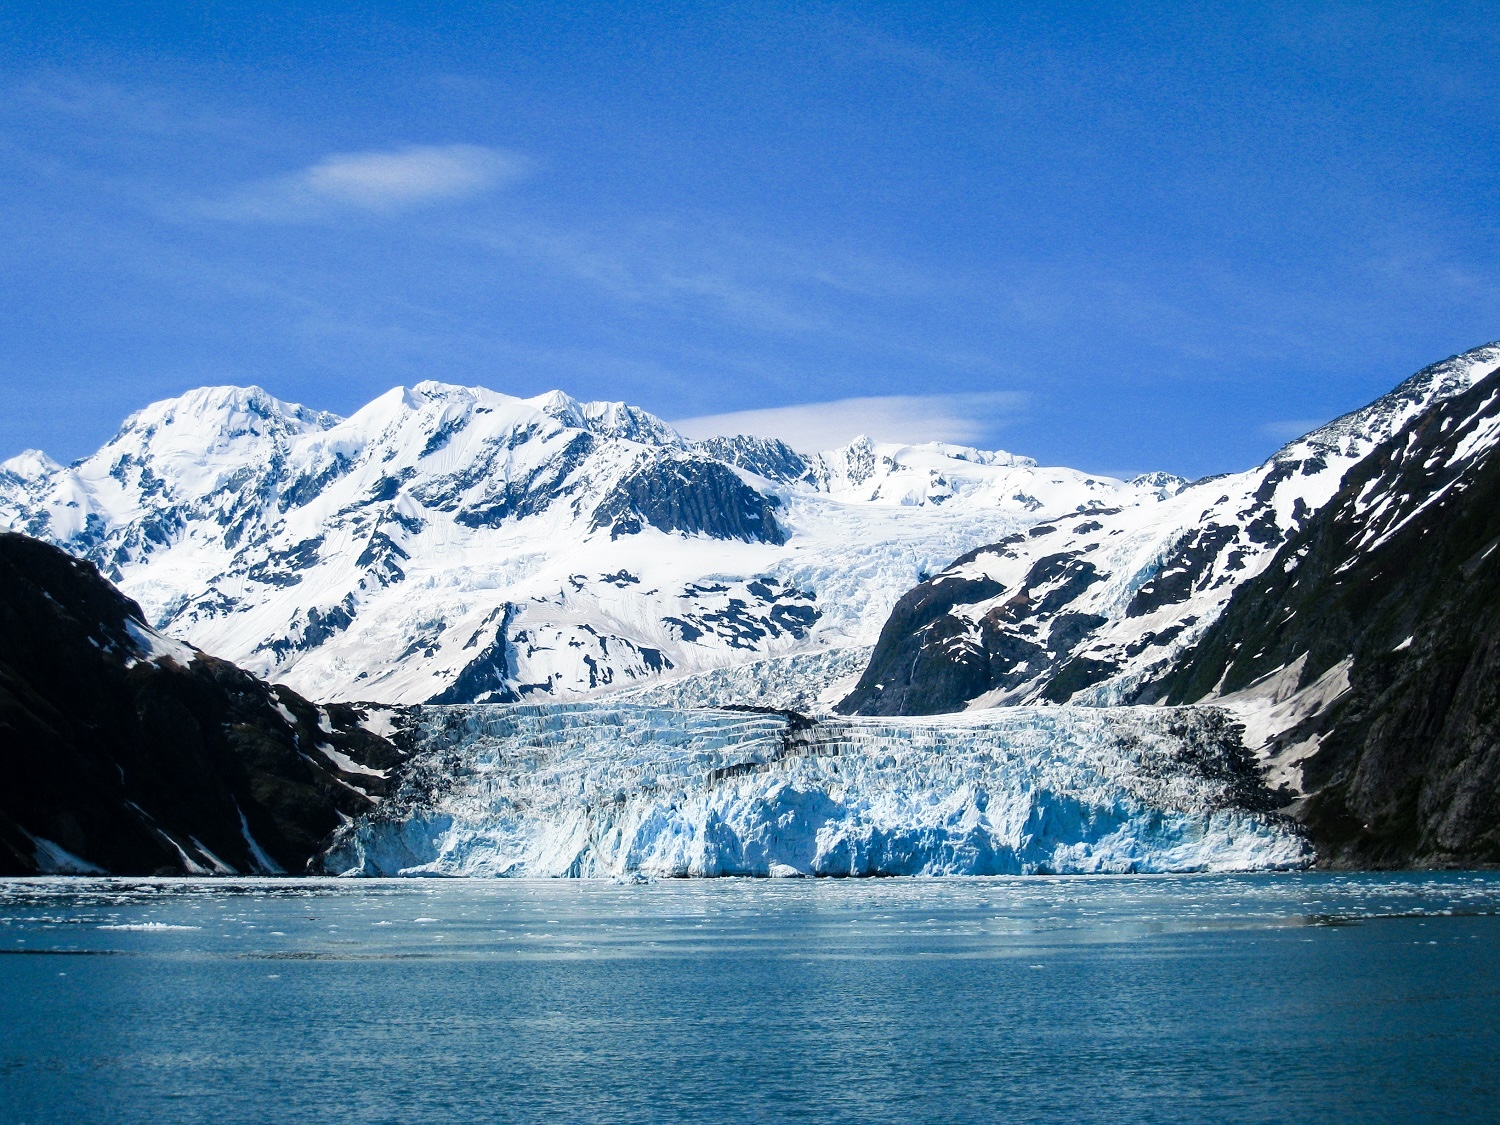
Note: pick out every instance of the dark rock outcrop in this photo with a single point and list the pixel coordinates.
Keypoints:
(930, 660)
(767, 457)
(923, 664)
(119, 757)
(1097, 609)
(690, 494)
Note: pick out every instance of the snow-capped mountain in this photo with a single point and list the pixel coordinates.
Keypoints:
(127, 752)
(456, 544)
(1096, 608)
(1329, 615)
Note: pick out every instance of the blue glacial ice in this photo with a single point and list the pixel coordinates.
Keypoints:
(610, 789)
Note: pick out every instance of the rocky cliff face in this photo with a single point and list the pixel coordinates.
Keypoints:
(1365, 660)
(129, 753)
(1342, 601)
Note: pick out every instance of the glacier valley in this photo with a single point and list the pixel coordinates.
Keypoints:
(585, 646)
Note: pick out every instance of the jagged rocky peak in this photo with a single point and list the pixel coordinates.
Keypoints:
(1376, 422)
(767, 457)
(692, 494)
(608, 419)
(1160, 483)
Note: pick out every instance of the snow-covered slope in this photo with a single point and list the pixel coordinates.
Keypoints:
(456, 544)
(595, 789)
(1094, 609)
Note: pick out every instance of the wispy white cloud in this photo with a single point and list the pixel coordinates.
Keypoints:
(752, 277)
(149, 110)
(960, 418)
(378, 182)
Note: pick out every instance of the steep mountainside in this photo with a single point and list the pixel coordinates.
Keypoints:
(455, 544)
(1097, 607)
(1365, 660)
(129, 753)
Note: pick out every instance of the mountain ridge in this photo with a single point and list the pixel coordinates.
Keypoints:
(1364, 660)
(453, 545)
(540, 546)
(1094, 610)
(130, 753)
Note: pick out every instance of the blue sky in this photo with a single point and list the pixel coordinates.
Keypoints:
(1109, 236)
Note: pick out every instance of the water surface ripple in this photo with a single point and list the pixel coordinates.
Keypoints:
(1292, 997)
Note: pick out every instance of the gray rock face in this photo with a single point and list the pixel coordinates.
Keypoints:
(1357, 633)
(767, 457)
(922, 665)
(694, 495)
(1098, 608)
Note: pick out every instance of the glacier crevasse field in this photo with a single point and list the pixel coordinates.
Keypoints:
(597, 790)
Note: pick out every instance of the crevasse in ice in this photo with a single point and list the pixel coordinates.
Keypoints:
(597, 790)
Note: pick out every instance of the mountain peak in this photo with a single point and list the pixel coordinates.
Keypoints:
(607, 419)
(229, 411)
(434, 390)
(30, 465)
(1372, 424)
(1164, 484)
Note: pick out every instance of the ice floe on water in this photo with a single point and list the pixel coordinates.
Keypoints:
(147, 927)
(610, 789)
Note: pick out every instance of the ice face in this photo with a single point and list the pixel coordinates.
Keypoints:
(598, 790)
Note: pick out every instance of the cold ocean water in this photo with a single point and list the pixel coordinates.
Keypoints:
(1287, 997)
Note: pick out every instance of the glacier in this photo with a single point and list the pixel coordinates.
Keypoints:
(613, 789)
(574, 604)
(800, 681)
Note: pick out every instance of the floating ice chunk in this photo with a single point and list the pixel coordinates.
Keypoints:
(146, 927)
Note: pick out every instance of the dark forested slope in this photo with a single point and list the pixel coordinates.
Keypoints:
(127, 753)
